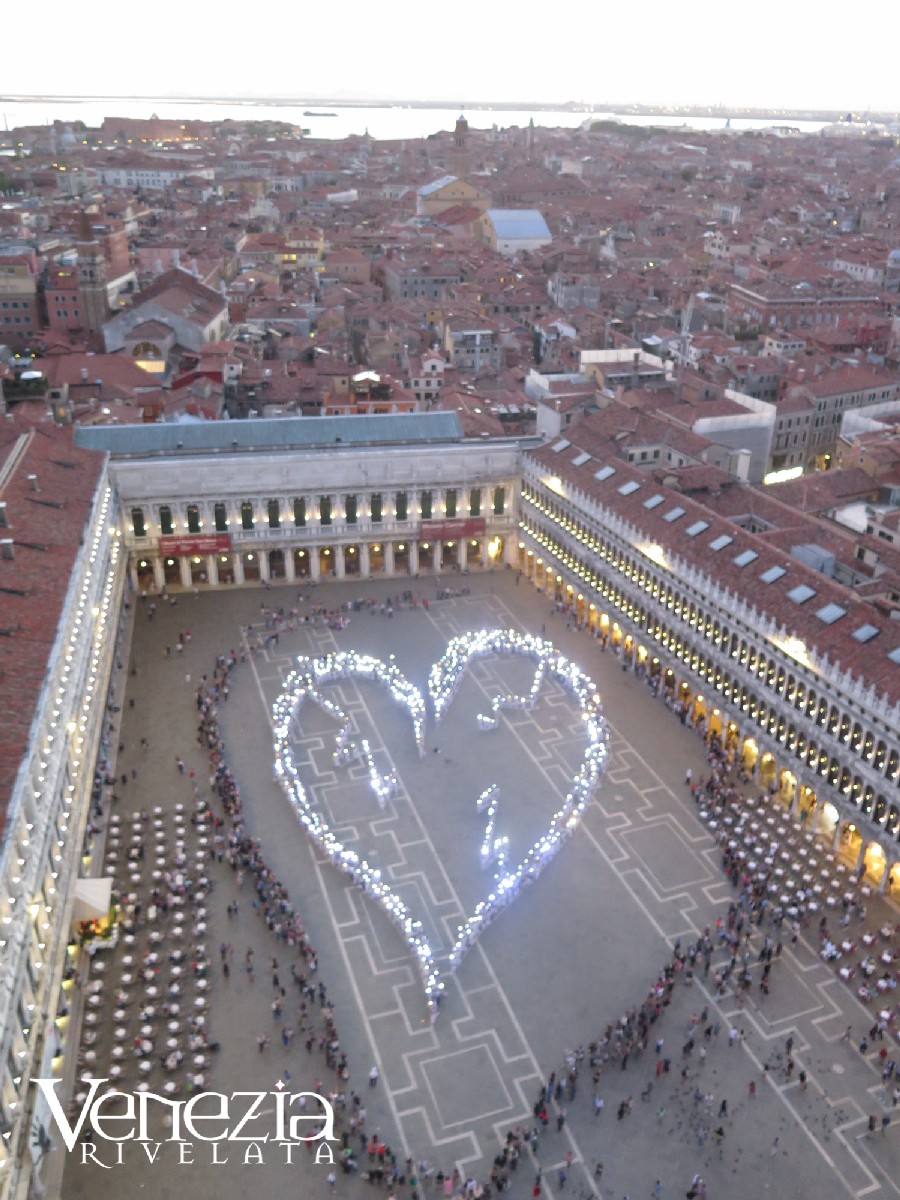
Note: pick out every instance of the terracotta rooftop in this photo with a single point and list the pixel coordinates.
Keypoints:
(828, 617)
(47, 526)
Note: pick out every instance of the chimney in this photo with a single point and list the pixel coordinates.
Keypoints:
(84, 374)
(33, 483)
(4, 520)
(6, 548)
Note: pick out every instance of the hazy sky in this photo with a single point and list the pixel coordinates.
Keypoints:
(789, 53)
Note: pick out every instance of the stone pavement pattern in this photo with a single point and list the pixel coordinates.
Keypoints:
(567, 958)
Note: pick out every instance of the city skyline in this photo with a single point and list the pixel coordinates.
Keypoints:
(779, 59)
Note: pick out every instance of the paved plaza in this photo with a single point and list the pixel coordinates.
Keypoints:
(576, 949)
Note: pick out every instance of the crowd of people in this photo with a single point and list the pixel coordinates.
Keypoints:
(622, 1042)
(744, 946)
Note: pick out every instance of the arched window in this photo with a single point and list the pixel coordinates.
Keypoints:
(138, 522)
(193, 518)
(166, 525)
(248, 519)
(273, 512)
(220, 517)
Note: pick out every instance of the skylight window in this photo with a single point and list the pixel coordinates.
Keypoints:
(745, 558)
(721, 542)
(801, 593)
(627, 488)
(560, 445)
(673, 514)
(697, 527)
(654, 501)
(894, 655)
(772, 574)
(865, 633)
(580, 459)
(604, 473)
(831, 613)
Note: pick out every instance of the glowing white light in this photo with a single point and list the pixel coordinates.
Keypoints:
(444, 680)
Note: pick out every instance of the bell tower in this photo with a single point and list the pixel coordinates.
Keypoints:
(91, 277)
(458, 157)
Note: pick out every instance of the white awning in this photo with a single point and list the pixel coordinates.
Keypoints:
(92, 898)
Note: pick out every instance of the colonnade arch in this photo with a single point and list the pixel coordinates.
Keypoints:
(780, 704)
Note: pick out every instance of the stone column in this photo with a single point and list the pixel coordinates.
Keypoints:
(159, 574)
(462, 556)
(212, 570)
(413, 557)
(389, 558)
(133, 574)
(264, 574)
(184, 570)
(290, 568)
(365, 569)
(437, 550)
(339, 566)
(314, 571)
(238, 567)
(485, 560)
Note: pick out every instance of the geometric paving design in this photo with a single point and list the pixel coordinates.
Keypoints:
(573, 952)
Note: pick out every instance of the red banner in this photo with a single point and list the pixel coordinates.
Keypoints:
(196, 543)
(460, 527)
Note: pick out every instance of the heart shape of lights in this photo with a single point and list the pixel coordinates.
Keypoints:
(306, 683)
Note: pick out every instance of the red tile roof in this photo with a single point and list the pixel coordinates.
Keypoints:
(47, 526)
(868, 659)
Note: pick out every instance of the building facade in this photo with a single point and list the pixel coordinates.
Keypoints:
(334, 498)
(46, 809)
(821, 736)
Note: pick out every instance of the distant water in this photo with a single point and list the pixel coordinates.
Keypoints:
(382, 123)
